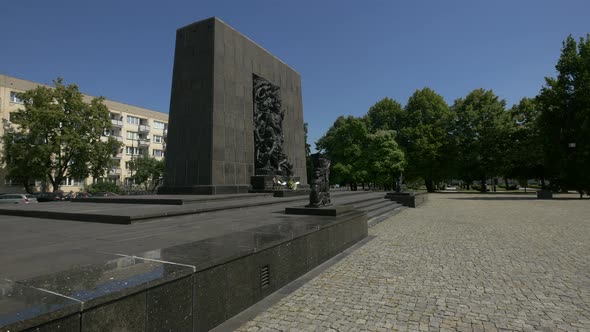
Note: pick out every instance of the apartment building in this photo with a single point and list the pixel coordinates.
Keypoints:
(141, 131)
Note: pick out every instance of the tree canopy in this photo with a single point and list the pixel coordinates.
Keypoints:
(386, 114)
(481, 133)
(564, 121)
(476, 139)
(148, 171)
(524, 158)
(384, 160)
(344, 143)
(57, 135)
(427, 138)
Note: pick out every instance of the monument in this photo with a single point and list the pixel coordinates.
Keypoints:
(320, 184)
(320, 203)
(235, 113)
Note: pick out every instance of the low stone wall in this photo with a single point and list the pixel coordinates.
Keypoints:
(194, 286)
(409, 199)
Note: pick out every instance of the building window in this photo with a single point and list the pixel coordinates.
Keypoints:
(132, 135)
(158, 153)
(159, 125)
(132, 120)
(71, 182)
(14, 98)
(132, 150)
(158, 139)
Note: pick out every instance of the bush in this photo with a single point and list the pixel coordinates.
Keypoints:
(103, 187)
(510, 187)
(476, 187)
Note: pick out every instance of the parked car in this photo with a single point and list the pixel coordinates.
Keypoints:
(49, 196)
(17, 199)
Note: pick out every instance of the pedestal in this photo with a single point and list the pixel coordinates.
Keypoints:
(331, 210)
(544, 194)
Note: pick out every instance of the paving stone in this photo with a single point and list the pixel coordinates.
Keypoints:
(458, 263)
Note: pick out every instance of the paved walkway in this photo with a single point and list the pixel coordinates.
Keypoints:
(458, 263)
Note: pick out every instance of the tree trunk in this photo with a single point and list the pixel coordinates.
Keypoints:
(506, 183)
(542, 182)
(484, 186)
(28, 188)
(429, 185)
(58, 179)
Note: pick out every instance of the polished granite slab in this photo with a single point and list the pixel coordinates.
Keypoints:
(127, 210)
(330, 210)
(114, 278)
(105, 269)
(167, 199)
(22, 307)
(125, 213)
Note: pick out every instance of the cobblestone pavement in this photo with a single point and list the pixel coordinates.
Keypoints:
(458, 263)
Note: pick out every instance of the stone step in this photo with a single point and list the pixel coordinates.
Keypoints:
(384, 209)
(372, 204)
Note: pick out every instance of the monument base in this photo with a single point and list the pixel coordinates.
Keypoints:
(271, 182)
(330, 210)
(544, 194)
(282, 192)
(409, 199)
(203, 190)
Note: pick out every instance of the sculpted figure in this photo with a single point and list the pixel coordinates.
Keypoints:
(320, 184)
(268, 130)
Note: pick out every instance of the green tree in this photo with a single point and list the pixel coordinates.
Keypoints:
(481, 132)
(148, 171)
(564, 121)
(386, 114)
(525, 152)
(21, 159)
(344, 144)
(58, 135)
(384, 159)
(308, 161)
(427, 138)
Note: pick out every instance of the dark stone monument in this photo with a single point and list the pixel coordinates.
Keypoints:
(218, 137)
(320, 203)
(408, 198)
(273, 171)
(405, 198)
(320, 184)
(544, 194)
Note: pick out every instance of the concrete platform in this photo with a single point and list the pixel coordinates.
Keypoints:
(168, 199)
(190, 271)
(127, 210)
(331, 210)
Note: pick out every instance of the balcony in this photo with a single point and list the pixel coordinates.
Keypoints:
(144, 142)
(144, 129)
(117, 156)
(165, 132)
(117, 123)
(115, 172)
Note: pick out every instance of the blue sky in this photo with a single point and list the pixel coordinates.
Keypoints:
(350, 54)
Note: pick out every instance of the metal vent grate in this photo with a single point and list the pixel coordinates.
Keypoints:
(264, 276)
